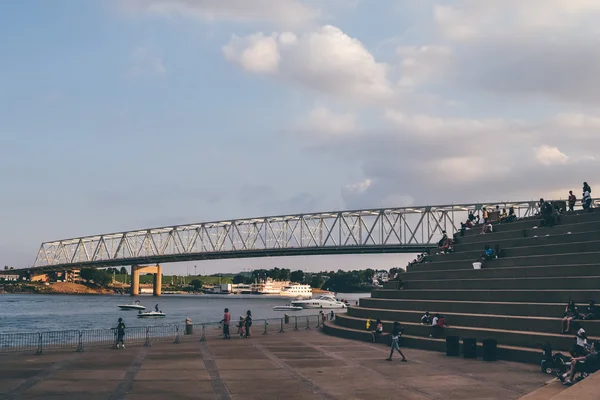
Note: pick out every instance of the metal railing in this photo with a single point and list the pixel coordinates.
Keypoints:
(79, 340)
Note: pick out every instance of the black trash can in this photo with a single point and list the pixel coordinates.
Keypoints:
(489, 350)
(189, 329)
(452, 346)
(286, 319)
(470, 347)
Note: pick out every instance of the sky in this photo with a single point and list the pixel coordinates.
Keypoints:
(127, 114)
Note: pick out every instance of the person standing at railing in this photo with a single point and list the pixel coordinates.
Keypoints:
(248, 323)
(225, 321)
(120, 334)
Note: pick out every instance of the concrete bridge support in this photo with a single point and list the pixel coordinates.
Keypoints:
(135, 278)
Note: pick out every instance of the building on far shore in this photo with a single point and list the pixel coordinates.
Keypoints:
(5, 276)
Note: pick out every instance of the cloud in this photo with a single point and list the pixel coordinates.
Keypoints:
(548, 155)
(326, 60)
(144, 63)
(323, 120)
(422, 64)
(281, 12)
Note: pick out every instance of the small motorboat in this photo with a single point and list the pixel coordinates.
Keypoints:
(287, 307)
(151, 314)
(134, 306)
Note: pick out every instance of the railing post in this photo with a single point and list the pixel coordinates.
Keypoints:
(281, 329)
(203, 337)
(147, 342)
(295, 323)
(80, 344)
(40, 349)
(266, 324)
(114, 346)
(319, 321)
(307, 322)
(177, 340)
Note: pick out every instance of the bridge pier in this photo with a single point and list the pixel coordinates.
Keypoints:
(152, 269)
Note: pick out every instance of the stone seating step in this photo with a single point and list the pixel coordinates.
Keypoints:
(528, 233)
(508, 353)
(553, 238)
(502, 336)
(519, 283)
(528, 223)
(536, 249)
(502, 272)
(525, 296)
(468, 307)
(500, 321)
(522, 261)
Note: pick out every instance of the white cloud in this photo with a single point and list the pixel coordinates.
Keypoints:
(281, 12)
(358, 187)
(144, 63)
(326, 60)
(255, 53)
(548, 155)
(323, 120)
(422, 64)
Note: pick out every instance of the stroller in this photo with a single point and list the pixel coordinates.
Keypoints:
(552, 363)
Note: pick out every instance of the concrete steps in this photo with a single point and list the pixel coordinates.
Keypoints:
(578, 282)
(525, 296)
(509, 322)
(577, 258)
(550, 310)
(501, 272)
(504, 352)
(504, 336)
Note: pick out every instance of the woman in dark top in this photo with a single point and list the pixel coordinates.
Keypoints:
(571, 313)
(396, 333)
(586, 188)
(248, 323)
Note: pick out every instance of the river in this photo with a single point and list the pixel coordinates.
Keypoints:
(36, 313)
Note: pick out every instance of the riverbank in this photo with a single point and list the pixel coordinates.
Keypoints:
(54, 288)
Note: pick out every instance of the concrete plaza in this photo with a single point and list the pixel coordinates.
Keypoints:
(294, 365)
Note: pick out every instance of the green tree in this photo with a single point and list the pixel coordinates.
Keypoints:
(284, 274)
(123, 271)
(316, 281)
(239, 278)
(196, 284)
(297, 276)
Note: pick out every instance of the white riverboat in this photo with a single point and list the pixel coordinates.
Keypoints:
(323, 301)
(151, 314)
(297, 291)
(134, 306)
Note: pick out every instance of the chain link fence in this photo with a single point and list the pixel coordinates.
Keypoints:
(79, 340)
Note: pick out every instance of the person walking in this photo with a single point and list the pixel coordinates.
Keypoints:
(572, 200)
(226, 320)
(248, 323)
(396, 333)
(120, 344)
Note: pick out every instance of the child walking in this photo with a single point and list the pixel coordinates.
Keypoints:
(396, 333)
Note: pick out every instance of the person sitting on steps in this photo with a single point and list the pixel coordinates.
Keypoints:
(571, 313)
(378, 330)
(590, 311)
(426, 319)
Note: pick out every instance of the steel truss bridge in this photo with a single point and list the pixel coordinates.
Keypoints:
(385, 230)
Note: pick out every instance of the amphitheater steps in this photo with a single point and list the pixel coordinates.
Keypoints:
(508, 322)
(558, 283)
(522, 251)
(575, 258)
(500, 272)
(503, 336)
(522, 296)
(504, 352)
(549, 310)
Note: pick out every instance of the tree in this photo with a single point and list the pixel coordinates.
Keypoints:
(284, 274)
(98, 276)
(369, 274)
(239, 278)
(316, 281)
(123, 271)
(297, 276)
(196, 284)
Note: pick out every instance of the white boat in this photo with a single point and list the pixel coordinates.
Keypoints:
(297, 291)
(151, 314)
(134, 306)
(287, 307)
(323, 301)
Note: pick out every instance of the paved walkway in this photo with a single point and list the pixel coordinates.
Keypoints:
(294, 365)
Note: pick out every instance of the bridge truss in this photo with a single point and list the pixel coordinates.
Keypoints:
(393, 230)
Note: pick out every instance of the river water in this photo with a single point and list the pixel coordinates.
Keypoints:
(36, 313)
